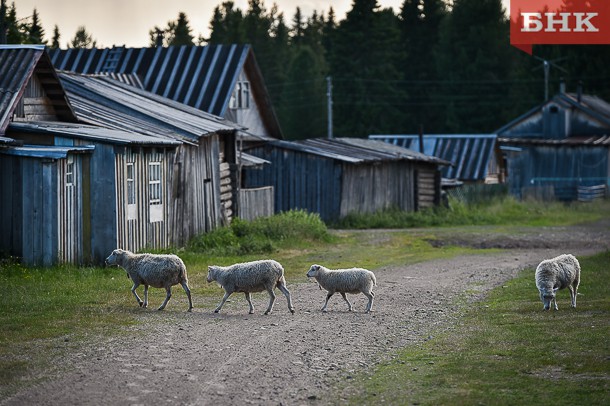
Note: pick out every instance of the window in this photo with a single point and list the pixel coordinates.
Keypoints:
(155, 191)
(70, 172)
(132, 208)
(241, 96)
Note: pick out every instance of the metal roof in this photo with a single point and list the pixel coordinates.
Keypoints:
(45, 151)
(202, 77)
(17, 65)
(101, 100)
(357, 150)
(591, 105)
(89, 132)
(470, 154)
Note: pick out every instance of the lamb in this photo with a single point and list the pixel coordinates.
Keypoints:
(555, 274)
(353, 280)
(249, 277)
(158, 271)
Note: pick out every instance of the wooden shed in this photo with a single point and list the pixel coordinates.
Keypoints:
(73, 167)
(203, 167)
(559, 149)
(335, 177)
(147, 174)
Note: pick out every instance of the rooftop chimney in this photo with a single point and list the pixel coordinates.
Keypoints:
(159, 39)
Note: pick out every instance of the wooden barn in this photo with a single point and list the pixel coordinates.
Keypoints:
(559, 149)
(335, 177)
(203, 168)
(148, 174)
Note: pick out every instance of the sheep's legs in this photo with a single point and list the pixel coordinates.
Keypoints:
(249, 299)
(145, 296)
(188, 294)
(328, 296)
(554, 301)
(370, 295)
(224, 299)
(286, 293)
(573, 295)
(169, 295)
(348, 302)
(133, 290)
(271, 301)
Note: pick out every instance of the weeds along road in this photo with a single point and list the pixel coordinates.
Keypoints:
(202, 358)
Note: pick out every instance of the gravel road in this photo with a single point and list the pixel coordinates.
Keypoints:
(232, 358)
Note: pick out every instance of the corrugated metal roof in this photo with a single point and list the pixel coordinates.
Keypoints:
(103, 101)
(45, 151)
(469, 153)
(357, 150)
(89, 132)
(202, 77)
(199, 76)
(17, 65)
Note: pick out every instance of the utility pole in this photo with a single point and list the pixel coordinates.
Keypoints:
(329, 96)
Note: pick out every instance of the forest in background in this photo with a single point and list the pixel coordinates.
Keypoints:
(437, 66)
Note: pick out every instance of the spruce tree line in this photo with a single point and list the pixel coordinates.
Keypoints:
(437, 66)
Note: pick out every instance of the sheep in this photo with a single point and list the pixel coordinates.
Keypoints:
(158, 271)
(353, 280)
(555, 274)
(248, 277)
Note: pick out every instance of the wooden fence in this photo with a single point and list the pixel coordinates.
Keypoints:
(257, 202)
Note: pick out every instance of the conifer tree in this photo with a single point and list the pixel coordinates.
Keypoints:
(55, 39)
(227, 25)
(35, 32)
(364, 70)
(82, 39)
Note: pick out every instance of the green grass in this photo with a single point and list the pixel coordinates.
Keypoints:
(499, 211)
(46, 311)
(508, 351)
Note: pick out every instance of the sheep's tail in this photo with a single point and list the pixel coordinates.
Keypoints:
(374, 279)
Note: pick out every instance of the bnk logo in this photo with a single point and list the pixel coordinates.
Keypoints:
(559, 22)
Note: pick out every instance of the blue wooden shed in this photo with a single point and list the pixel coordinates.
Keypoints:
(335, 177)
(559, 149)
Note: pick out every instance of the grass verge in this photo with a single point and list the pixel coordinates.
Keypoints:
(508, 351)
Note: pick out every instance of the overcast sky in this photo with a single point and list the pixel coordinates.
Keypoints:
(127, 22)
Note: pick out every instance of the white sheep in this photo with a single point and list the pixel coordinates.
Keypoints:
(353, 280)
(249, 277)
(158, 271)
(555, 274)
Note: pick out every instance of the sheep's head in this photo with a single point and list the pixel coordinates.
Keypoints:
(211, 273)
(548, 296)
(313, 271)
(116, 257)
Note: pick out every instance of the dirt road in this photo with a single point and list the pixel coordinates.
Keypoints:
(232, 358)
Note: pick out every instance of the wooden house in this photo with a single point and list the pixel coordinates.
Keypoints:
(335, 177)
(72, 192)
(475, 158)
(223, 80)
(57, 185)
(559, 149)
(203, 168)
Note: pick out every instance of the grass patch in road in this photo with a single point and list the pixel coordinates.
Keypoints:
(508, 351)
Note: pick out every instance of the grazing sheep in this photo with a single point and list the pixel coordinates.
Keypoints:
(249, 277)
(158, 271)
(555, 274)
(353, 280)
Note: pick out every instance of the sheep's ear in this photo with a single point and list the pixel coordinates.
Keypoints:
(555, 290)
